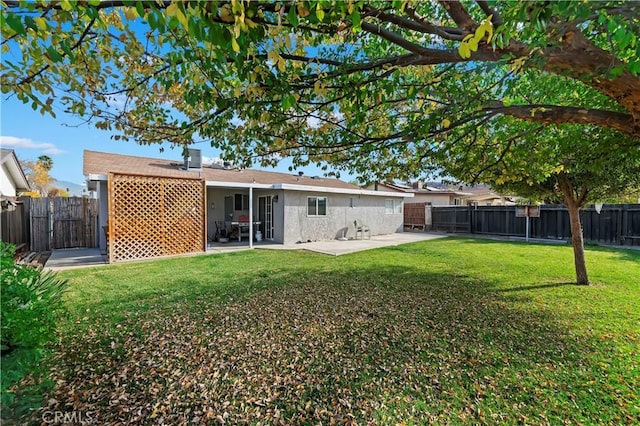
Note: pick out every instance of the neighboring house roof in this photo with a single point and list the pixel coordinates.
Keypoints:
(9, 160)
(98, 164)
(422, 191)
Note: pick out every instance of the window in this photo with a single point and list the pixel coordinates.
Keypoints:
(241, 202)
(457, 201)
(316, 206)
(353, 202)
(392, 206)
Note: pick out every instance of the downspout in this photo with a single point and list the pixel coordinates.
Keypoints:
(250, 217)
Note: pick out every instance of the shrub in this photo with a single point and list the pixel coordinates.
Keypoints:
(30, 300)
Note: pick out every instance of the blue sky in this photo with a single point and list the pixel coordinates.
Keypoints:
(31, 134)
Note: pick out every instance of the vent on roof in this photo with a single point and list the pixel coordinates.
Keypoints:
(195, 159)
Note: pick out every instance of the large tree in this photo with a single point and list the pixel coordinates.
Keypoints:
(568, 164)
(382, 89)
(160, 71)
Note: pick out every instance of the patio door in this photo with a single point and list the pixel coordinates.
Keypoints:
(265, 216)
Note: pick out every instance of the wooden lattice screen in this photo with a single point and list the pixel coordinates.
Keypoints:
(155, 216)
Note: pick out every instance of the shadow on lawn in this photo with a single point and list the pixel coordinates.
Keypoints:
(536, 287)
(377, 344)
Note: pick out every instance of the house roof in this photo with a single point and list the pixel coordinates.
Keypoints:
(424, 191)
(9, 160)
(98, 164)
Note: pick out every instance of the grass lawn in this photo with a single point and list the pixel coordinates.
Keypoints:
(450, 331)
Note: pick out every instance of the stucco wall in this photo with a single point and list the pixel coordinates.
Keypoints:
(435, 200)
(340, 216)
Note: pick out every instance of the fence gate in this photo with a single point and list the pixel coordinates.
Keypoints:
(417, 215)
(63, 222)
(74, 222)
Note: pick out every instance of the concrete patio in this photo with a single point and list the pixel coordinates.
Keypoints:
(338, 248)
(75, 258)
(86, 257)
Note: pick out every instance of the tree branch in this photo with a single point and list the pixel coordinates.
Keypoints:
(458, 13)
(554, 114)
(496, 20)
(416, 23)
(28, 79)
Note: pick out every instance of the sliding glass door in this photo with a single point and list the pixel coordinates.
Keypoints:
(265, 216)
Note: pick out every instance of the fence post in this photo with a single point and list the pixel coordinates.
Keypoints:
(623, 224)
(427, 217)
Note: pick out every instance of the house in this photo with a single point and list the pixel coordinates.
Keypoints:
(438, 194)
(12, 178)
(150, 207)
(419, 194)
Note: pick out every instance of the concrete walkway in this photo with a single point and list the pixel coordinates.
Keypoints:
(75, 258)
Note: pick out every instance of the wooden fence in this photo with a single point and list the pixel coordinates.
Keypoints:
(416, 215)
(44, 224)
(14, 224)
(615, 224)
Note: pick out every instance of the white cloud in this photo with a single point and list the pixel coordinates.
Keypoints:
(13, 142)
(212, 160)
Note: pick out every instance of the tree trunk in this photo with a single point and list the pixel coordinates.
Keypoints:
(578, 244)
(573, 203)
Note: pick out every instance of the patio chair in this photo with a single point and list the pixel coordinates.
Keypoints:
(362, 229)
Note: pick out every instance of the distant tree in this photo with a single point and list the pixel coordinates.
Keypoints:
(33, 194)
(57, 192)
(45, 162)
(37, 173)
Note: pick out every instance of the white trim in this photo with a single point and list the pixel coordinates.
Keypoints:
(92, 176)
(15, 171)
(221, 184)
(309, 188)
(306, 188)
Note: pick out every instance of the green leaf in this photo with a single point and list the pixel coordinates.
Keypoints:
(355, 21)
(473, 45)
(41, 23)
(292, 17)
(66, 5)
(464, 51)
(234, 45)
(319, 12)
(172, 9)
(15, 23)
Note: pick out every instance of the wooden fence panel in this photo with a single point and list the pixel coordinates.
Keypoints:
(13, 227)
(615, 224)
(414, 215)
(40, 217)
(155, 216)
(451, 219)
(74, 222)
(630, 225)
